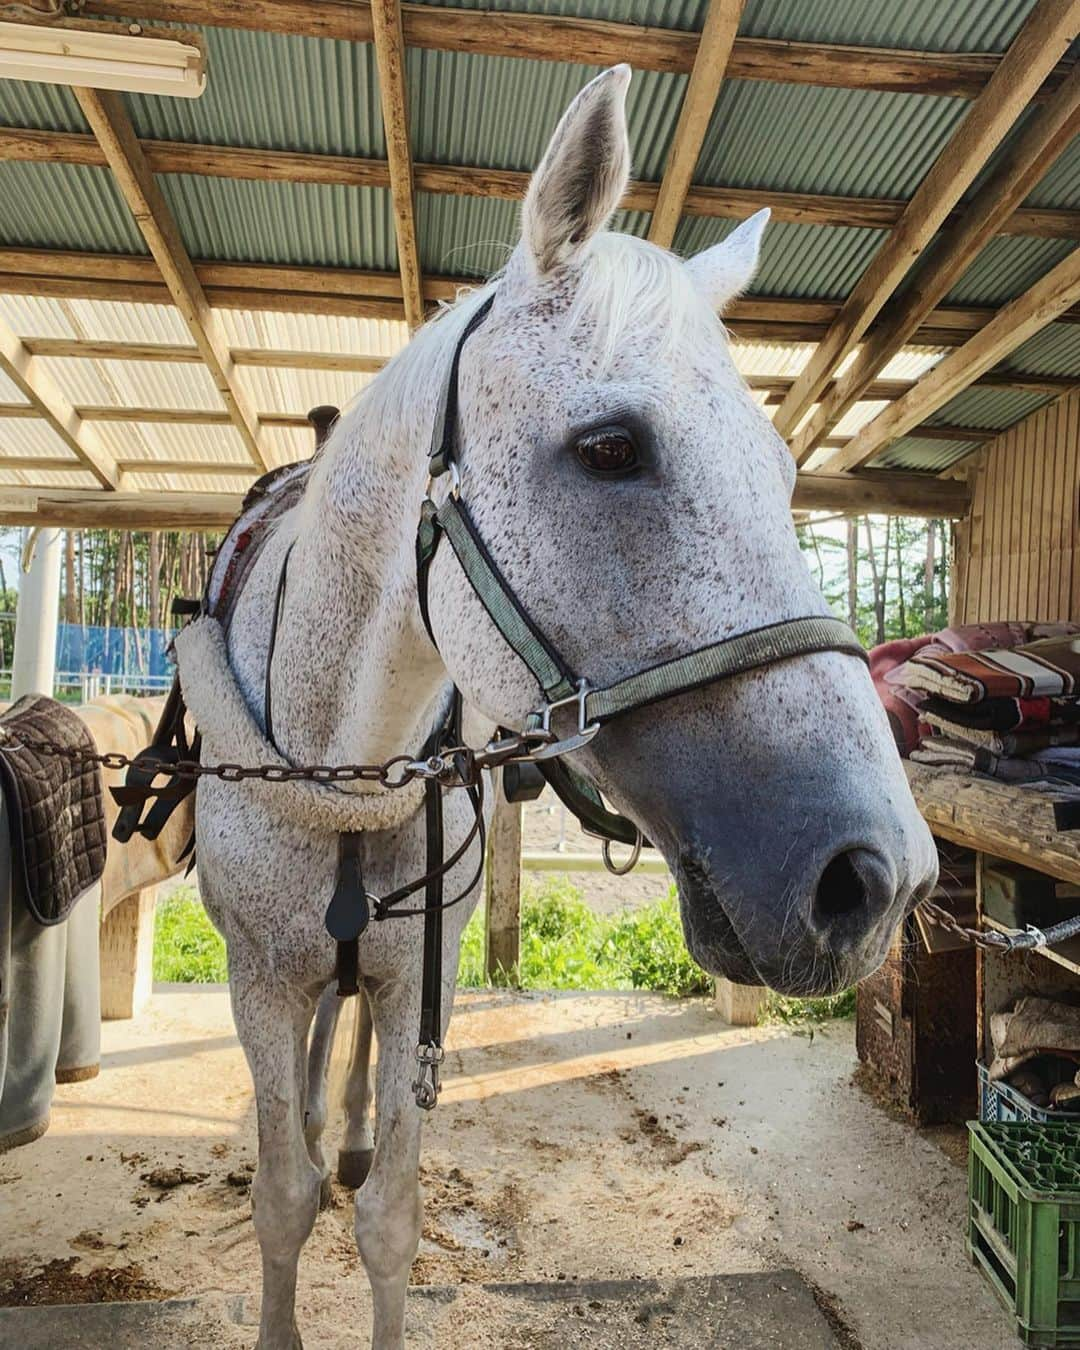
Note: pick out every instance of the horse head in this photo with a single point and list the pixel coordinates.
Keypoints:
(637, 501)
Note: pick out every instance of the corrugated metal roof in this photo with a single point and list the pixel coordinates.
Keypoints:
(1060, 185)
(121, 321)
(1054, 351)
(799, 138)
(812, 261)
(166, 440)
(987, 407)
(26, 436)
(66, 206)
(137, 384)
(36, 316)
(47, 478)
(1007, 267)
(298, 391)
(684, 14)
(924, 25)
(312, 332)
(275, 91)
(44, 107)
(310, 224)
(909, 452)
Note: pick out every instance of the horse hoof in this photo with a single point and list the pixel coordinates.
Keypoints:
(353, 1165)
(324, 1192)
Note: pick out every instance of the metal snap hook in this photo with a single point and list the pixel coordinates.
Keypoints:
(621, 869)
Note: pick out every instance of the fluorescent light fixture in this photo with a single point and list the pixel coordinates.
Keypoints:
(135, 63)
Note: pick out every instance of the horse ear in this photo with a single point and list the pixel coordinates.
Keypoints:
(583, 174)
(720, 273)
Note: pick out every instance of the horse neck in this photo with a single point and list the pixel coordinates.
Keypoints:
(358, 677)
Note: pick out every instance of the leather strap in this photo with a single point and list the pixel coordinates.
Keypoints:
(279, 605)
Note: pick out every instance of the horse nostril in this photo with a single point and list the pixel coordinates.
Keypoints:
(841, 889)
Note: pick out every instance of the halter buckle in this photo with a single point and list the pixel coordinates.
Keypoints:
(437, 471)
(427, 1085)
(585, 730)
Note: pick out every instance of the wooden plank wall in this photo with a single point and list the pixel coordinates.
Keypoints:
(1017, 554)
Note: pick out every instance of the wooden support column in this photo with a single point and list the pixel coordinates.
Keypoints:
(390, 59)
(1013, 325)
(1039, 144)
(127, 956)
(503, 890)
(1044, 38)
(714, 49)
(111, 125)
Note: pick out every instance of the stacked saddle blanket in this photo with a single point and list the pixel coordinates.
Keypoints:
(1012, 712)
(890, 663)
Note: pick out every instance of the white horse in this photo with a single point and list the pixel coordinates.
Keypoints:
(776, 797)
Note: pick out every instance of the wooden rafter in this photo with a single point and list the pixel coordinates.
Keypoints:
(1025, 161)
(273, 358)
(543, 37)
(111, 125)
(901, 493)
(1013, 325)
(1046, 35)
(346, 291)
(390, 59)
(289, 166)
(50, 402)
(699, 99)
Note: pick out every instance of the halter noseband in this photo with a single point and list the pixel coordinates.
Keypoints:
(560, 686)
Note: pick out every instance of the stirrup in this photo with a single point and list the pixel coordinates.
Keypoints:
(427, 1085)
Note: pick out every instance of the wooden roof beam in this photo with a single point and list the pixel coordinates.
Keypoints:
(111, 125)
(699, 99)
(1045, 36)
(390, 59)
(1047, 133)
(288, 166)
(543, 37)
(1013, 325)
(909, 494)
(50, 402)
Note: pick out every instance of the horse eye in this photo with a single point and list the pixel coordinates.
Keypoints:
(607, 453)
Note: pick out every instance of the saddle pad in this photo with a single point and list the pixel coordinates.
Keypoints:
(269, 498)
(55, 807)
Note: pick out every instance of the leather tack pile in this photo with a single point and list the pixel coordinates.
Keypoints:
(1037, 1051)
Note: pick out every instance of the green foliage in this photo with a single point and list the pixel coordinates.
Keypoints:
(188, 949)
(564, 945)
(804, 1011)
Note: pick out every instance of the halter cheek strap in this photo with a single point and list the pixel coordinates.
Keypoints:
(736, 655)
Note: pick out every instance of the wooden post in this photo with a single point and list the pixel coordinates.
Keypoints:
(127, 955)
(739, 1004)
(503, 891)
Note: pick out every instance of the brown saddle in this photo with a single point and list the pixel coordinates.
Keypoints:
(55, 807)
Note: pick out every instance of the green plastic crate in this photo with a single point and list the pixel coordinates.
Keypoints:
(1024, 1223)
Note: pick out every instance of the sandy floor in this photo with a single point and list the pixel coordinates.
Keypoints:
(580, 1136)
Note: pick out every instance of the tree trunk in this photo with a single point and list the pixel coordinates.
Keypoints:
(928, 578)
(71, 611)
(901, 601)
(153, 580)
(878, 579)
(853, 573)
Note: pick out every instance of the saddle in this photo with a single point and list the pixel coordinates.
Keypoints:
(267, 500)
(55, 806)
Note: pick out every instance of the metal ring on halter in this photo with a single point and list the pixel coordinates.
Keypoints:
(621, 869)
(455, 481)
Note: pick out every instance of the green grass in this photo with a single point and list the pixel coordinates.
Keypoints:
(188, 949)
(564, 945)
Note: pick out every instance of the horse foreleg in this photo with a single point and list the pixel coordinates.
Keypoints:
(272, 1023)
(389, 1210)
(327, 1015)
(358, 1146)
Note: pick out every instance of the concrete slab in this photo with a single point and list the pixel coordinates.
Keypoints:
(581, 1138)
(767, 1311)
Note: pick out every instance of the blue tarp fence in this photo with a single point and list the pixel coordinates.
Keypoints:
(130, 656)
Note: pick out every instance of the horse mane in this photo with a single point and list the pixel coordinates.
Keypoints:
(624, 285)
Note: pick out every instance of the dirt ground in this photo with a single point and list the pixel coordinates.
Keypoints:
(579, 1137)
